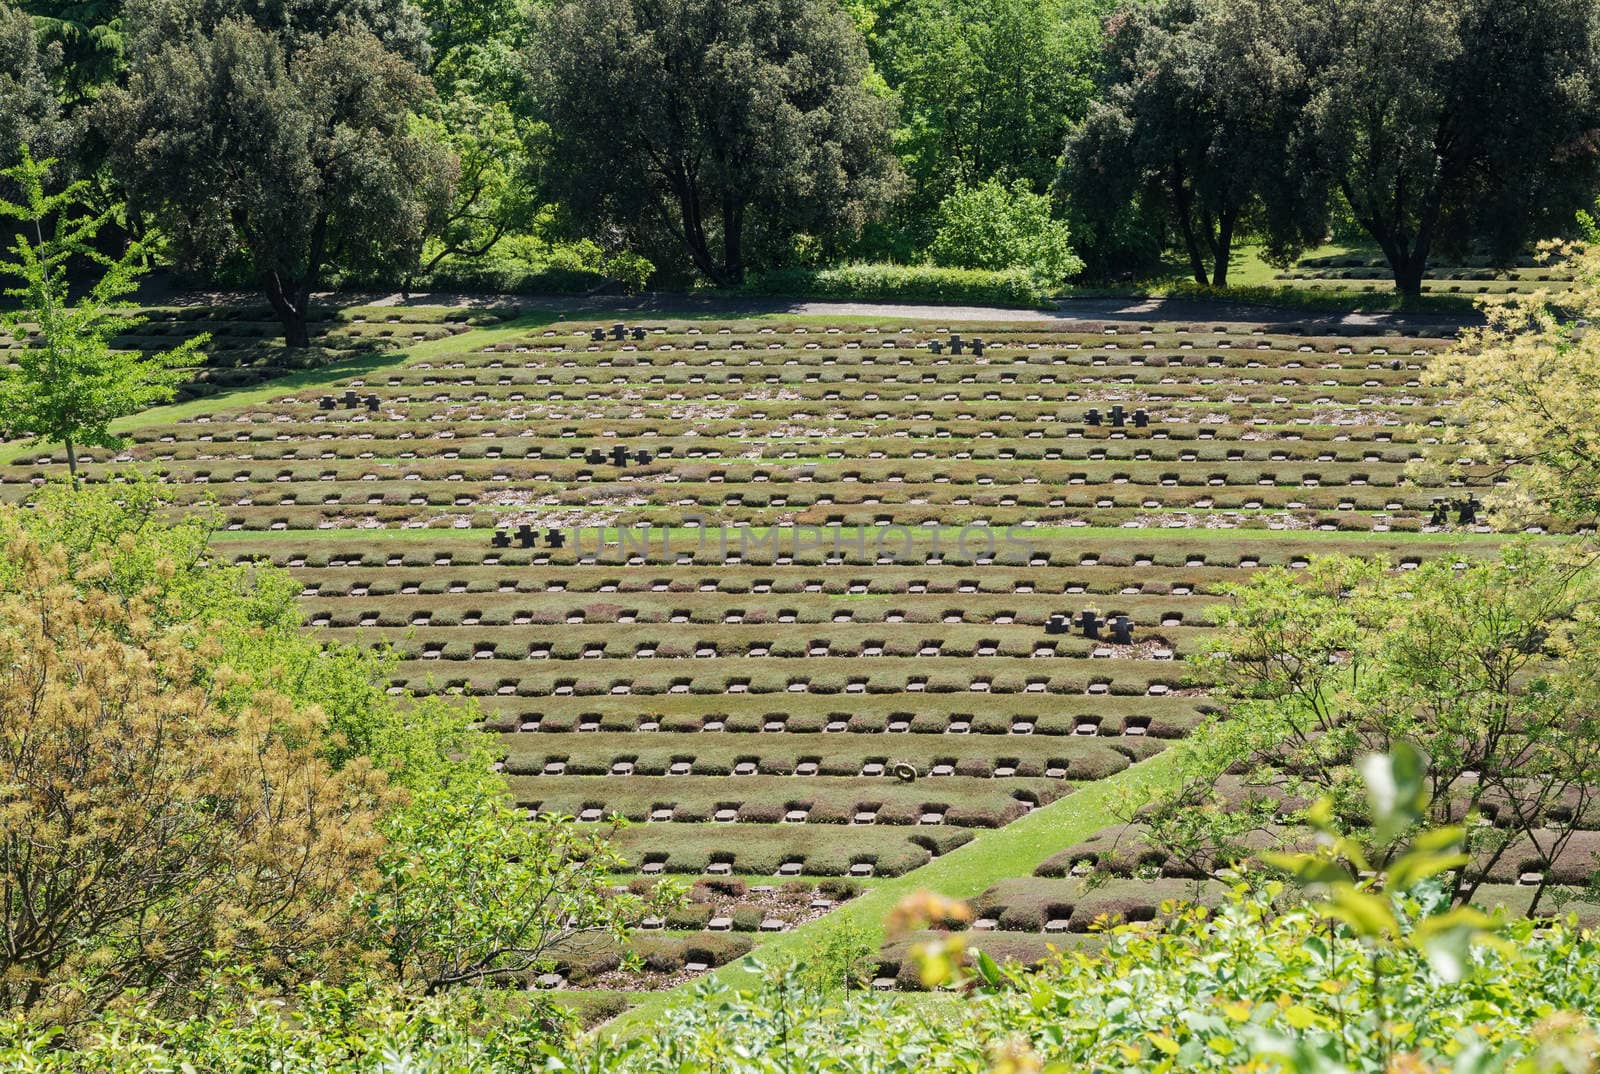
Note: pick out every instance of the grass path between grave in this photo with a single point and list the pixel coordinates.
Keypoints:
(689, 535)
(1014, 850)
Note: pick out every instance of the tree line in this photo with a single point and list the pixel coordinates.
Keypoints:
(287, 147)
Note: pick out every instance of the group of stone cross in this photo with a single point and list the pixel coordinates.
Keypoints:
(1118, 417)
(1091, 624)
(619, 332)
(1466, 511)
(620, 456)
(350, 400)
(957, 345)
(527, 536)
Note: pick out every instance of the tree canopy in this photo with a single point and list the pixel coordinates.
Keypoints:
(30, 110)
(285, 143)
(987, 90)
(1198, 115)
(732, 126)
(1446, 122)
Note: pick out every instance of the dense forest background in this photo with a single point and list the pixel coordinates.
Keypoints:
(302, 144)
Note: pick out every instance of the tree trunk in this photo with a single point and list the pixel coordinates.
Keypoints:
(72, 461)
(1408, 276)
(733, 242)
(291, 299)
(296, 332)
(292, 308)
(1222, 249)
(694, 232)
(1183, 202)
(1407, 257)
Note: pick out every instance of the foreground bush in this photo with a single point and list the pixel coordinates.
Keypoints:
(905, 283)
(1210, 993)
(188, 779)
(1248, 988)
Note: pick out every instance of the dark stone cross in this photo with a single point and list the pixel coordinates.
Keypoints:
(372, 404)
(1141, 418)
(554, 538)
(1122, 630)
(598, 335)
(642, 457)
(935, 346)
(351, 400)
(638, 333)
(619, 331)
(1092, 416)
(1090, 623)
(977, 346)
(955, 343)
(327, 402)
(1467, 511)
(619, 456)
(525, 535)
(1441, 512)
(501, 539)
(1118, 418)
(1059, 623)
(596, 457)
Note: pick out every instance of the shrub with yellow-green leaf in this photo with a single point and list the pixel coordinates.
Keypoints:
(1526, 399)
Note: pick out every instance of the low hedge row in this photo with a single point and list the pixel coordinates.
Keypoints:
(917, 283)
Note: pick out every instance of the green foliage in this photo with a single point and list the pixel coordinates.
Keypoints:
(285, 144)
(728, 128)
(1427, 144)
(494, 183)
(473, 890)
(1487, 667)
(987, 89)
(67, 384)
(1198, 115)
(906, 283)
(1296, 994)
(991, 226)
(465, 887)
(842, 958)
(358, 1029)
(30, 114)
(1524, 382)
(1369, 978)
(86, 36)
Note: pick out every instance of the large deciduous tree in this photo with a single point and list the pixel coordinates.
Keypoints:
(282, 139)
(987, 89)
(1198, 115)
(734, 126)
(1457, 121)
